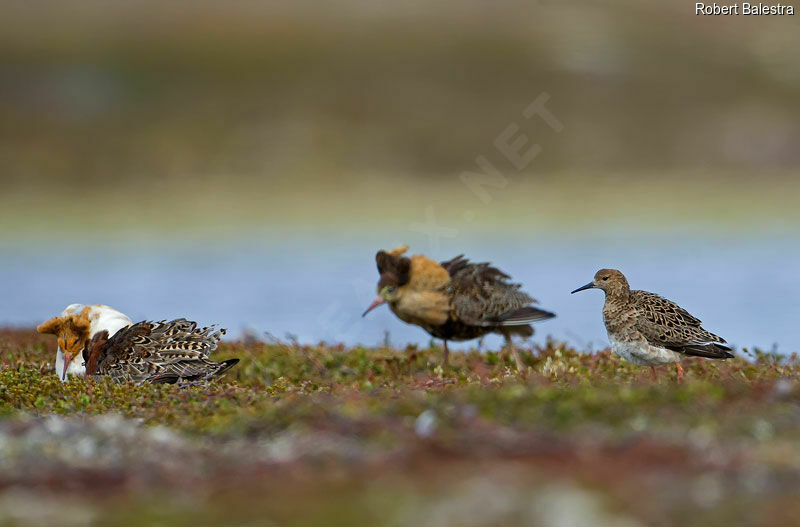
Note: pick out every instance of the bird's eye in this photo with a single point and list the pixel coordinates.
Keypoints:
(390, 289)
(605, 278)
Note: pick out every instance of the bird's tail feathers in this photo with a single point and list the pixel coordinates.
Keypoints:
(225, 366)
(713, 350)
(175, 375)
(524, 316)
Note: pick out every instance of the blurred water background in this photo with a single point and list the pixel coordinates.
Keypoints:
(283, 287)
(241, 163)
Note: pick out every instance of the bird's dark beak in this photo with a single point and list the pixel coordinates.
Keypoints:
(590, 285)
(375, 303)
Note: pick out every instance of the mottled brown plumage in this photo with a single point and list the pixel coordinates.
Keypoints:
(156, 352)
(455, 299)
(664, 323)
(649, 330)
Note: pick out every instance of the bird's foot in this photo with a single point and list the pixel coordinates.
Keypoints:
(445, 355)
(522, 368)
(680, 372)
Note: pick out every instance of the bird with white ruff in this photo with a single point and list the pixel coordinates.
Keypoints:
(648, 330)
(76, 325)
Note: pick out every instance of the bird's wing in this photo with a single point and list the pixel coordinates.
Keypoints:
(147, 350)
(123, 347)
(664, 323)
(483, 296)
(181, 339)
(136, 370)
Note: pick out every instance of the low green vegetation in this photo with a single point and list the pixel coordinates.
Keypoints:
(301, 434)
(562, 387)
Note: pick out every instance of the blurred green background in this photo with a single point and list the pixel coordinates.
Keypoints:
(239, 116)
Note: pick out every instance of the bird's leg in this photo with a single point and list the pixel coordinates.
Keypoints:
(680, 372)
(654, 372)
(515, 352)
(445, 355)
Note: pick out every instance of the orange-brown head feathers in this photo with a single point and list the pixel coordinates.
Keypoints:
(72, 332)
(611, 281)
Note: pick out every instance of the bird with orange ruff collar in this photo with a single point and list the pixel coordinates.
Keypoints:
(455, 299)
(76, 325)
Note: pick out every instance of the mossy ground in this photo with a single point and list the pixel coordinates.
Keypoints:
(329, 435)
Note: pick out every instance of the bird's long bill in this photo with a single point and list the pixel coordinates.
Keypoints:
(67, 360)
(590, 285)
(375, 303)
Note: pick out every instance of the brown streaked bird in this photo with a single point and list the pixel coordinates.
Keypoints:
(156, 352)
(649, 330)
(456, 299)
